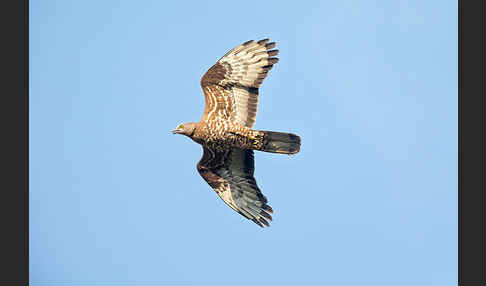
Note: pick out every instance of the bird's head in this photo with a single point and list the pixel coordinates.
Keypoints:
(185, 129)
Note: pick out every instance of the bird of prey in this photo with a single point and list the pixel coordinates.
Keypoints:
(225, 130)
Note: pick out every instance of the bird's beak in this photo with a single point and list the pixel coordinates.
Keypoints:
(175, 131)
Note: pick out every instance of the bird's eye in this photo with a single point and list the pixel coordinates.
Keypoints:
(181, 126)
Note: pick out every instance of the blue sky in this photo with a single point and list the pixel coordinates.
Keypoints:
(371, 199)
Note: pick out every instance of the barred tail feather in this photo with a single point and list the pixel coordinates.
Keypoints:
(280, 142)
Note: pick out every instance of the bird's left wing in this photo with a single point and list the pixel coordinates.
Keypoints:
(230, 174)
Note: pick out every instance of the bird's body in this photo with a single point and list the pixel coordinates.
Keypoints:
(224, 133)
(225, 130)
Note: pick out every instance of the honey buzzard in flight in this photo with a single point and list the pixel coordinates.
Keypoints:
(225, 130)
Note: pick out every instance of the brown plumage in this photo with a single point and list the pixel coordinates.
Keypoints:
(225, 130)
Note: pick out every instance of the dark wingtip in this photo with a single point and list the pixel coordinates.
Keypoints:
(272, 60)
(262, 220)
(247, 42)
(272, 53)
(268, 209)
(267, 67)
(270, 45)
(258, 223)
(266, 215)
(264, 41)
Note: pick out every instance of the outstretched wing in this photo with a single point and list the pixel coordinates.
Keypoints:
(230, 174)
(231, 85)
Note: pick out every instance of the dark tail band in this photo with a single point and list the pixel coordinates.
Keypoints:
(279, 142)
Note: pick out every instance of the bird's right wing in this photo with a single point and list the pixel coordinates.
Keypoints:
(231, 85)
(230, 174)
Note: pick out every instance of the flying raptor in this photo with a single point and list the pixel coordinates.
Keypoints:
(225, 130)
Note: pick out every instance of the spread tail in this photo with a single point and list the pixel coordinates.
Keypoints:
(279, 142)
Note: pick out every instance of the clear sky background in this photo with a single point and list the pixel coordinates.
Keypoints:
(371, 199)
